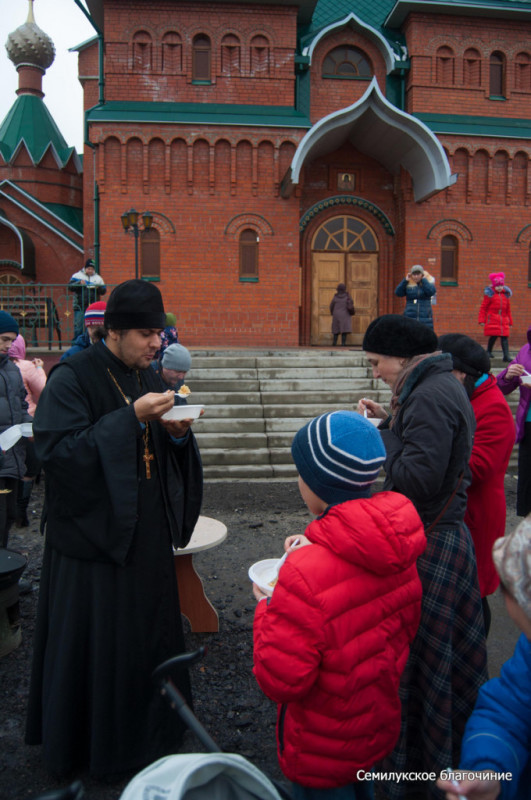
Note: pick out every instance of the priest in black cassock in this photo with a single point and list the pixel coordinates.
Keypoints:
(122, 487)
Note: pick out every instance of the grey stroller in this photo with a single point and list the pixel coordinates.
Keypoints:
(198, 776)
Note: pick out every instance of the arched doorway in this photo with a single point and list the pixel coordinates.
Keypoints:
(344, 250)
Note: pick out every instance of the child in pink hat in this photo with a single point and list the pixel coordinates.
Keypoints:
(495, 313)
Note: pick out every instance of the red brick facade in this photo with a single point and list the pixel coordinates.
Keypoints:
(207, 174)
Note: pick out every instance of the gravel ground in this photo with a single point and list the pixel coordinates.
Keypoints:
(259, 515)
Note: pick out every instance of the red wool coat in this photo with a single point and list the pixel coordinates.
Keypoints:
(331, 644)
(495, 312)
(493, 444)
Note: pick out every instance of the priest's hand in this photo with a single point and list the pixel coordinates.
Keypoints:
(177, 428)
(153, 405)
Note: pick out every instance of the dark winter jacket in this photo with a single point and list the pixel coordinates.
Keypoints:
(495, 312)
(79, 344)
(332, 642)
(418, 299)
(498, 734)
(508, 385)
(13, 411)
(486, 507)
(341, 319)
(430, 442)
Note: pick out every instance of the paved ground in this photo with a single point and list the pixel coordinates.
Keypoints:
(258, 515)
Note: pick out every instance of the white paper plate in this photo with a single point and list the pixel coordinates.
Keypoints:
(183, 412)
(263, 572)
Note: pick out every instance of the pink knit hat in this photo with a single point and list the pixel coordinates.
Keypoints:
(497, 278)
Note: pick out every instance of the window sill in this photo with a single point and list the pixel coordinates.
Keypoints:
(449, 283)
(347, 77)
(497, 97)
(201, 83)
(151, 279)
(248, 280)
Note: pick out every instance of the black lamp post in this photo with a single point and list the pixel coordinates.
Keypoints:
(130, 220)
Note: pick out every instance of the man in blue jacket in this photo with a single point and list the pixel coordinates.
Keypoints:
(496, 750)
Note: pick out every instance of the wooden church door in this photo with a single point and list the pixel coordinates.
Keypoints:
(344, 250)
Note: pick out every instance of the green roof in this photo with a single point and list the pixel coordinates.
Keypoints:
(500, 127)
(371, 12)
(500, 9)
(199, 113)
(30, 121)
(70, 215)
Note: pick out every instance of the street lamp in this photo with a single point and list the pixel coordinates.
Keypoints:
(130, 220)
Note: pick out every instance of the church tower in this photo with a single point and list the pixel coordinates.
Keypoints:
(41, 229)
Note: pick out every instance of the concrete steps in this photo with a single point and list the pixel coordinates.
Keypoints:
(256, 400)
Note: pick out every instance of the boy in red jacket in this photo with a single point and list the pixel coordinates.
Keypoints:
(331, 643)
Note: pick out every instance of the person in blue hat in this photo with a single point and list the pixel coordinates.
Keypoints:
(13, 411)
(332, 641)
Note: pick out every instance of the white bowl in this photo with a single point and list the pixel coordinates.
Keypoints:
(374, 421)
(183, 412)
(526, 379)
(263, 572)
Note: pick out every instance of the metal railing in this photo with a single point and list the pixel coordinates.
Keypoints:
(49, 314)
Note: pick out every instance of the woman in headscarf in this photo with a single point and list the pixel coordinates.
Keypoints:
(428, 438)
(342, 310)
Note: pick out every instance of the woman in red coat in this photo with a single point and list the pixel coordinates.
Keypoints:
(495, 313)
(493, 444)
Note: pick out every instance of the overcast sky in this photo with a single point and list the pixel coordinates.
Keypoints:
(67, 26)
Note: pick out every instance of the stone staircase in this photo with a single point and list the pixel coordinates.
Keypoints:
(255, 401)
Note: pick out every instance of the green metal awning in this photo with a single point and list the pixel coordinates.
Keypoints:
(500, 127)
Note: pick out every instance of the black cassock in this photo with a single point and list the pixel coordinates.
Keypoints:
(108, 606)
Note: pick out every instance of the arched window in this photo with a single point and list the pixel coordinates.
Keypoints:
(201, 53)
(142, 51)
(522, 73)
(497, 75)
(259, 56)
(150, 253)
(171, 53)
(445, 66)
(472, 67)
(230, 55)
(449, 253)
(347, 62)
(248, 255)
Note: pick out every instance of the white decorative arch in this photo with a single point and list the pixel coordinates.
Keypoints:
(378, 129)
(368, 31)
(8, 224)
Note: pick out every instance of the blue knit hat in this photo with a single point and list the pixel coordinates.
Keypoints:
(338, 455)
(8, 324)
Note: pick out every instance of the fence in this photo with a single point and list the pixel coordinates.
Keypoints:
(49, 314)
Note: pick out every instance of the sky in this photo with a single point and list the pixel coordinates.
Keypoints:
(67, 26)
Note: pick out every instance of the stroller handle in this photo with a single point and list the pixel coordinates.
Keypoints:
(164, 670)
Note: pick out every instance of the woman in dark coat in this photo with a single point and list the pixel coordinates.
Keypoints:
(418, 287)
(428, 438)
(342, 309)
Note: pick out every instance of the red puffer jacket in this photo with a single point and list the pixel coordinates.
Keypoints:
(332, 642)
(495, 312)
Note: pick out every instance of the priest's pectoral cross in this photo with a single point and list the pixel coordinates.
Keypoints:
(147, 457)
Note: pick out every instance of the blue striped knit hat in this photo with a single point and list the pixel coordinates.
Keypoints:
(338, 455)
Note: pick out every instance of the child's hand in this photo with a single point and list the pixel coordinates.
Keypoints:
(294, 542)
(258, 593)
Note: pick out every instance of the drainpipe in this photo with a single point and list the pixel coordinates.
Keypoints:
(101, 101)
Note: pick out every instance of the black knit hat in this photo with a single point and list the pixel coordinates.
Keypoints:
(135, 304)
(396, 335)
(467, 355)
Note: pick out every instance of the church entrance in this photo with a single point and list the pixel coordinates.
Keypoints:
(344, 250)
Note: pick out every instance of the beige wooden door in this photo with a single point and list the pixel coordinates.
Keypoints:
(362, 282)
(345, 261)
